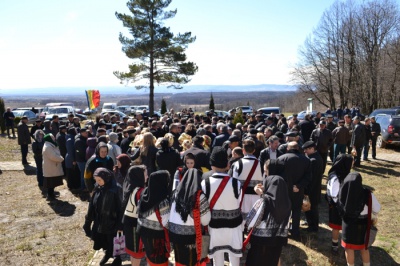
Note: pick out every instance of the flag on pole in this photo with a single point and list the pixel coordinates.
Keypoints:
(93, 98)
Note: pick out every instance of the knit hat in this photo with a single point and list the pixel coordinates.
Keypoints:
(219, 157)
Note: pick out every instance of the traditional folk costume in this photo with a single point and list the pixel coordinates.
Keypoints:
(225, 228)
(132, 187)
(269, 221)
(248, 171)
(188, 204)
(353, 201)
(154, 209)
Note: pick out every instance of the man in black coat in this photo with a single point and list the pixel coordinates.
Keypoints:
(357, 139)
(38, 125)
(297, 175)
(24, 138)
(323, 139)
(223, 135)
(9, 117)
(127, 141)
(201, 156)
(306, 127)
(80, 152)
(62, 144)
(313, 189)
(375, 131)
(271, 152)
(331, 126)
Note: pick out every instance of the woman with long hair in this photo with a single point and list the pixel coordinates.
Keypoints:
(154, 209)
(146, 153)
(189, 211)
(133, 186)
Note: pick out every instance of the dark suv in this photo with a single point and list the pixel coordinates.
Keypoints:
(390, 130)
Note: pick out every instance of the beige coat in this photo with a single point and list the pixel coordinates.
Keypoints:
(52, 160)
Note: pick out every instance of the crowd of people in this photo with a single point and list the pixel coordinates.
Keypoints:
(169, 182)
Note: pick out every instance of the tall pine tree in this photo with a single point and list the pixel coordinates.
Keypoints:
(163, 106)
(211, 105)
(158, 55)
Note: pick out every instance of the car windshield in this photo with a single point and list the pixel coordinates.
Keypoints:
(108, 106)
(396, 122)
(18, 113)
(58, 111)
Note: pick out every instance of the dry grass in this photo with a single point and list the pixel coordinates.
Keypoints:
(35, 232)
(384, 177)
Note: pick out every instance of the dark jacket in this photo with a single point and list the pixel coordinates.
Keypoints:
(91, 147)
(80, 148)
(322, 138)
(70, 156)
(125, 144)
(297, 169)
(375, 128)
(358, 136)
(313, 189)
(306, 128)
(368, 134)
(34, 128)
(220, 139)
(168, 160)
(105, 212)
(265, 156)
(24, 137)
(149, 160)
(341, 135)
(8, 122)
(62, 143)
(92, 164)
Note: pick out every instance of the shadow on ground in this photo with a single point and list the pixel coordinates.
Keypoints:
(62, 208)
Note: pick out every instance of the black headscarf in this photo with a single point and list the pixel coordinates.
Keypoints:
(156, 191)
(185, 195)
(104, 174)
(276, 167)
(135, 178)
(276, 197)
(125, 161)
(342, 166)
(352, 197)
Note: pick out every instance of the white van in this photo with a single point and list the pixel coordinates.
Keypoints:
(45, 110)
(109, 107)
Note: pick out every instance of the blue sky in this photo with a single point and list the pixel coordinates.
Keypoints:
(48, 43)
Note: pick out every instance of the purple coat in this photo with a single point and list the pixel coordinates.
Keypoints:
(91, 147)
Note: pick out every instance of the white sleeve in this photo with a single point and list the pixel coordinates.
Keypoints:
(235, 173)
(205, 214)
(376, 206)
(176, 180)
(333, 186)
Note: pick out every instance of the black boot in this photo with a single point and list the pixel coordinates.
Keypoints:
(105, 259)
(117, 261)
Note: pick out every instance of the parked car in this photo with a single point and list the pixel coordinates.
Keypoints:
(219, 113)
(109, 107)
(81, 117)
(44, 111)
(388, 111)
(87, 111)
(302, 114)
(61, 111)
(111, 113)
(245, 109)
(390, 130)
(269, 110)
(28, 113)
(126, 109)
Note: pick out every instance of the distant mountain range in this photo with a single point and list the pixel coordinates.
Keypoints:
(159, 89)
